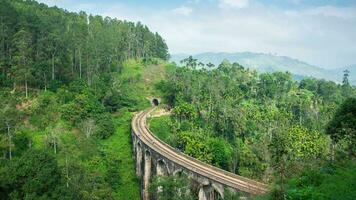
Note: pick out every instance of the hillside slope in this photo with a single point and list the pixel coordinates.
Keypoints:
(69, 84)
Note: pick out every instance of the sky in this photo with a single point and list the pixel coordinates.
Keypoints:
(319, 32)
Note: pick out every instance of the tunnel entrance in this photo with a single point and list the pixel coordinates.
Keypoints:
(155, 102)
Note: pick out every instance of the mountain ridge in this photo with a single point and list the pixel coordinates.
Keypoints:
(265, 62)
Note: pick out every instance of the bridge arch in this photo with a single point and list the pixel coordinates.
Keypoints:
(206, 181)
(147, 153)
(180, 172)
(138, 142)
(218, 190)
(210, 192)
(162, 168)
(205, 192)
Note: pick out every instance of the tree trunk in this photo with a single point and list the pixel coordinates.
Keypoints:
(45, 81)
(210, 105)
(26, 88)
(235, 164)
(10, 140)
(55, 146)
(67, 172)
(73, 62)
(80, 64)
(88, 73)
(332, 151)
(53, 67)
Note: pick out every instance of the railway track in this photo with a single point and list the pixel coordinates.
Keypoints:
(140, 128)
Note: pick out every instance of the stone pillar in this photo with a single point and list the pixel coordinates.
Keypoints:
(206, 192)
(219, 188)
(147, 176)
(161, 170)
(138, 160)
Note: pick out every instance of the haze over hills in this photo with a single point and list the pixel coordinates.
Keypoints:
(269, 63)
(339, 73)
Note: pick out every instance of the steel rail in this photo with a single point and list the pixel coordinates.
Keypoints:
(141, 130)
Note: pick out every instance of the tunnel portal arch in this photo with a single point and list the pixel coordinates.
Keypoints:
(155, 101)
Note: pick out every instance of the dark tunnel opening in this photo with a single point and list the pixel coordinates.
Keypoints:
(155, 102)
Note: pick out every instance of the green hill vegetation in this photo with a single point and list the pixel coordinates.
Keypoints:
(87, 139)
(296, 136)
(71, 82)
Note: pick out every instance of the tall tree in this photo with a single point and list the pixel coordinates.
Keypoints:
(22, 58)
(9, 119)
(343, 125)
(346, 87)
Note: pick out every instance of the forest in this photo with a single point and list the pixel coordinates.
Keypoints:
(298, 136)
(71, 82)
(42, 47)
(63, 78)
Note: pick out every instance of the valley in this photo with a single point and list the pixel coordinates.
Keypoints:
(95, 107)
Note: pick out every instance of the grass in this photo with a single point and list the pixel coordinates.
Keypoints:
(92, 154)
(160, 126)
(138, 80)
(120, 145)
(38, 140)
(332, 181)
(86, 151)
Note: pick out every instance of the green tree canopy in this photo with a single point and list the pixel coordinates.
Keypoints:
(343, 125)
(34, 175)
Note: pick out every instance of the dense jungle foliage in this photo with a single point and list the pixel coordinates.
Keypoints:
(42, 47)
(70, 82)
(297, 135)
(68, 86)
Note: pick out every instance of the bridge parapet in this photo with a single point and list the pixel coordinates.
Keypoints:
(154, 157)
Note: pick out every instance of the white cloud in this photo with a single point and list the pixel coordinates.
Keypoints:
(72, 5)
(331, 11)
(55, 2)
(234, 3)
(323, 36)
(183, 10)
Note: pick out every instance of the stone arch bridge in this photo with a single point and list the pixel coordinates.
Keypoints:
(154, 157)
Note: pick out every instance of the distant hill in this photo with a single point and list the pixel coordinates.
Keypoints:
(271, 63)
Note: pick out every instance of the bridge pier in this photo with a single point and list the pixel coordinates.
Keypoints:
(138, 160)
(149, 163)
(208, 183)
(147, 175)
(220, 189)
(206, 192)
